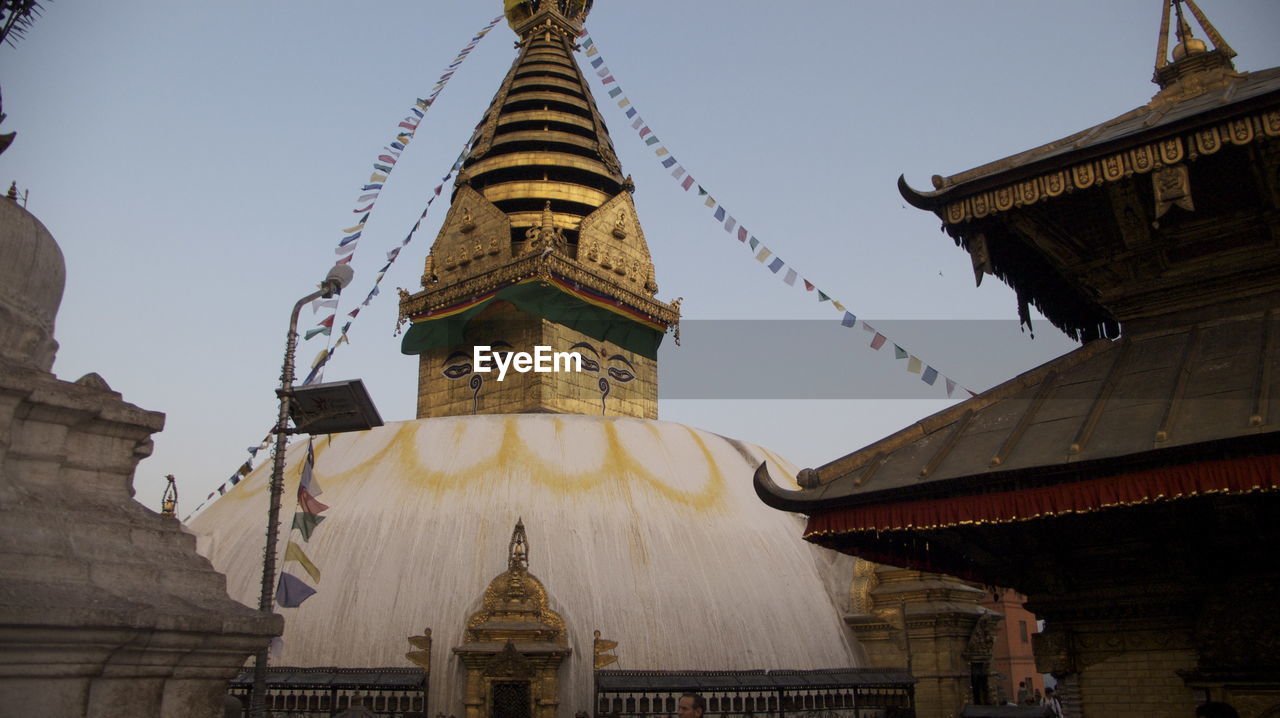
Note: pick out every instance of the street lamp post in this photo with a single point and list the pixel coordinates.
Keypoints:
(339, 277)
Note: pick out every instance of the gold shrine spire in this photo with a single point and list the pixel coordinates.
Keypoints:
(542, 247)
(1190, 55)
(518, 549)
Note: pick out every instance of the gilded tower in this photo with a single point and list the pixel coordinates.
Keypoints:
(541, 247)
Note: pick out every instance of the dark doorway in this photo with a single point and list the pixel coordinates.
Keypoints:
(510, 700)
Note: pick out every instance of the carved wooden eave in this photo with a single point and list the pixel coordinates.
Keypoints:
(1040, 175)
(537, 267)
(1167, 208)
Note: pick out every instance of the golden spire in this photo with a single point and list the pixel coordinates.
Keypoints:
(542, 245)
(518, 549)
(1190, 55)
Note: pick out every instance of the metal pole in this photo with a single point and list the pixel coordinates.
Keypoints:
(257, 703)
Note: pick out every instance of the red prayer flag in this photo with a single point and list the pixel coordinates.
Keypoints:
(688, 182)
(808, 286)
(309, 503)
(877, 341)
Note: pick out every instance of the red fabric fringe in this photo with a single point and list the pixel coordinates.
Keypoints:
(1241, 475)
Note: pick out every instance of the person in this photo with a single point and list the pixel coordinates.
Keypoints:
(1051, 699)
(691, 705)
(1024, 694)
(1215, 709)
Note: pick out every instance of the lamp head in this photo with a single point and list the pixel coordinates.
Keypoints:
(338, 278)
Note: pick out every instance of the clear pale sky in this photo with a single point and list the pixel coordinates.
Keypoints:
(196, 162)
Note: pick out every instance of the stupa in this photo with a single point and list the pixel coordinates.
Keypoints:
(632, 531)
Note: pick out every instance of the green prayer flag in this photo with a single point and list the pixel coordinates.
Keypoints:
(899, 352)
(754, 243)
(823, 297)
(306, 523)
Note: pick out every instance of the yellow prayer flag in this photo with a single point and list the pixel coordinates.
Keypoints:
(294, 553)
(356, 228)
(913, 364)
(764, 254)
(319, 357)
(661, 151)
(375, 177)
(624, 102)
(711, 201)
(838, 306)
(592, 52)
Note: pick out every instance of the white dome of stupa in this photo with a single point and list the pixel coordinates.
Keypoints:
(647, 531)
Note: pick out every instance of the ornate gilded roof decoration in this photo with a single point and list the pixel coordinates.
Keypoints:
(548, 237)
(518, 549)
(515, 636)
(601, 648)
(169, 502)
(528, 17)
(1190, 55)
(421, 656)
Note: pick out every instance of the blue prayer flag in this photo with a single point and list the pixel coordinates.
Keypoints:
(849, 320)
(291, 591)
(929, 376)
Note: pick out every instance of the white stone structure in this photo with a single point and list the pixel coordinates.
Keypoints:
(647, 531)
(106, 610)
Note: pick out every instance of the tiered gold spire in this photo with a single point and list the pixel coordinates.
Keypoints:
(542, 234)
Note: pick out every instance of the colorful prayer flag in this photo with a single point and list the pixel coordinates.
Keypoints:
(309, 503)
(291, 591)
(930, 375)
(808, 286)
(849, 320)
(293, 552)
(306, 523)
(914, 364)
(878, 341)
(754, 243)
(764, 254)
(688, 182)
(899, 352)
(822, 297)
(776, 265)
(720, 214)
(308, 482)
(951, 387)
(839, 307)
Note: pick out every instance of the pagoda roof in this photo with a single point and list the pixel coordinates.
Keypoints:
(1121, 411)
(1165, 116)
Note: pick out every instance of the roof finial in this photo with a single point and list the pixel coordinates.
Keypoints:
(518, 550)
(1188, 46)
(169, 503)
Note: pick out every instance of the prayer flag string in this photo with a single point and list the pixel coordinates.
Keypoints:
(736, 230)
(347, 245)
(386, 162)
